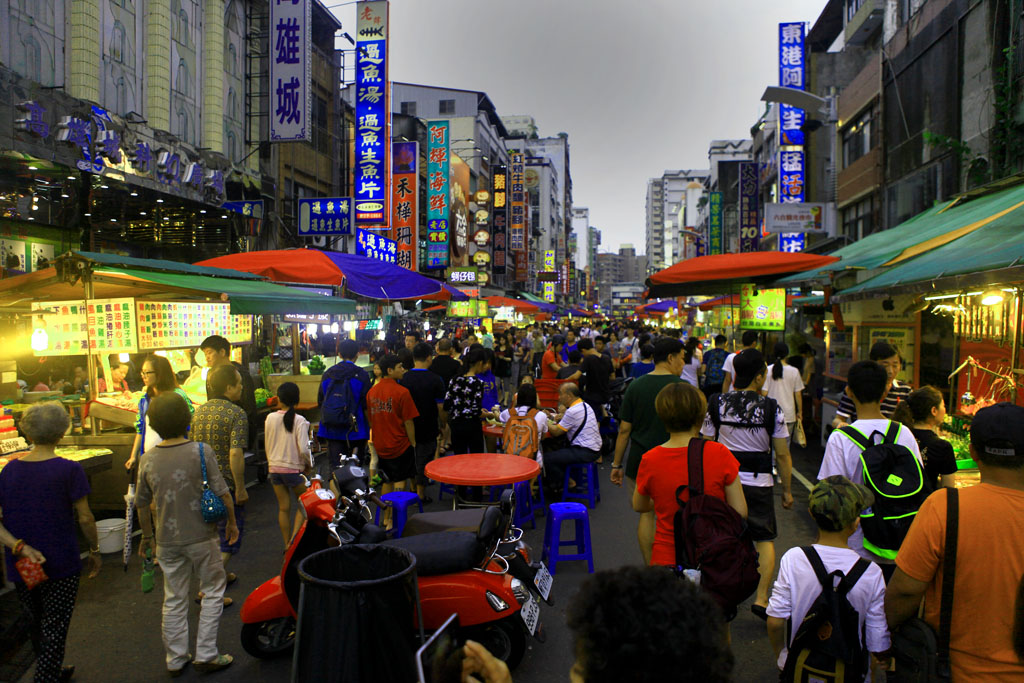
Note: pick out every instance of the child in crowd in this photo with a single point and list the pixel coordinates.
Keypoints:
(835, 503)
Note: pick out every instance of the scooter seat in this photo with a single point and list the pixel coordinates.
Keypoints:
(445, 520)
(444, 552)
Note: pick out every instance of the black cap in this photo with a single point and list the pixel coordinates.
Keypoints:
(998, 431)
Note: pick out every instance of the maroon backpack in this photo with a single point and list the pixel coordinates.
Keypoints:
(711, 537)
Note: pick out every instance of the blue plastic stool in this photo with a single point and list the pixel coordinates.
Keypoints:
(524, 506)
(540, 504)
(400, 501)
(553, 543)
(585, 475)
(443, 488)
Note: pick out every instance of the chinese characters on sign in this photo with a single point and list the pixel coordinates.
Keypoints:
(522, 265)
(499, 219)
(792, 242)
(325, 216)
(404, 201)
(462, 276)
(750, 229)
(376, 246)
(792, 74)
(715, 230)
(290, 61)
(438, 193)
(802, 217)
(791, 176)
(170, 325)
(762, 309)
(517, 202)
(373, 115)
(549, 267)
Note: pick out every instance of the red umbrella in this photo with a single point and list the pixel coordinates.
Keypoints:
(506, 302)
(721, 272)
(447, 293)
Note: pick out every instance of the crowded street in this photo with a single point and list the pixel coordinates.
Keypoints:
(392, 341)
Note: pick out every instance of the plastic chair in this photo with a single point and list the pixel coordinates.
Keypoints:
(547, 391)
(586, 476)
(539, 505)
(553, 543)
(400, 501)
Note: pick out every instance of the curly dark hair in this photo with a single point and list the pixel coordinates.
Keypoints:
(645, 624)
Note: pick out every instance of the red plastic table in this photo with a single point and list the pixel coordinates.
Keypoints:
(494, 430)
(481, 469)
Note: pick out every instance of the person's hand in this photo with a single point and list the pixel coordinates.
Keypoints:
(787, 500)
(32, 554)
(616, 476)
(232, 533)
(145, 545)
(479, 662)
(241, 496)
(95, 562)
(129, 463)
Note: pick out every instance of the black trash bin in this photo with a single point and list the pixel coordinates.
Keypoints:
(357, 609)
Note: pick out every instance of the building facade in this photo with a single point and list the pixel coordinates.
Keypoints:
(666, 198)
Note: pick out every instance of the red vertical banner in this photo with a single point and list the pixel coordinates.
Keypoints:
(404, 201)
(522, 266)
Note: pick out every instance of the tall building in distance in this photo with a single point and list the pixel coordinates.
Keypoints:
(666, 208)
(724, 157)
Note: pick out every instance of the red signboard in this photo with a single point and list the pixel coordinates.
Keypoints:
(522, 267)
(404, 202)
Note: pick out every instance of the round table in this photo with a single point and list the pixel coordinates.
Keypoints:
(494, 430)
(481, 469)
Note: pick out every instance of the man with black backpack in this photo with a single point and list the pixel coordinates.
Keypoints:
(342, 401)
(751, 426)
(831, 598)
(714, 366)
(889, 452)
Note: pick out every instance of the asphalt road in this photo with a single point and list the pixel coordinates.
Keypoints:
(115, 631)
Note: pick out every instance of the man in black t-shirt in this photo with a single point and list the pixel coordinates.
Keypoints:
(445, 365)
(595, 375)
(427, 391)
(573, 368)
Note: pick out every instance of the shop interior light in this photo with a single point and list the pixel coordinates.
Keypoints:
(123, 357)
(992, 297)
(939, 297)
(426, 326)
(334, 328)
(40, 339)
(32, 168)
(159, 201)
(202, 210)
(87, 214)
(160, 353)
(71, 177)
(134, 194)
(142, 213)
(223, 215)
(64, 196)
(104, 187)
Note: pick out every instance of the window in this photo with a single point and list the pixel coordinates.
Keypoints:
(232, 104)
(117, 42)
(859, 219)
(851, 8)
(446, 107)
(182, 120)
(33, 59)
(860, 137)
(409, 108)
(181, 79)
(231, 146)
(231, 60)
(183, 34)
(121, 96)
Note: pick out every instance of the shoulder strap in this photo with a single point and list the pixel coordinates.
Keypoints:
(853, 576)
(818, 566)
(948, 575)
(582, 423)
(714, 414)
(771, 406)
(855, 435)
(202, 465)
(892, 432)
(695, 466)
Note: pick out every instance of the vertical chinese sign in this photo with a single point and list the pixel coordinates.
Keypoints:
(458, 211)
(792, 162)
(290, 62)
(549, 267)
(750, 228)
(438, 192)
(373, 115)
(517, 204)
(404, 195)
(499, 219)
(715, 245)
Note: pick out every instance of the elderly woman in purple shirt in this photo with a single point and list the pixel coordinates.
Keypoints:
(39, 496)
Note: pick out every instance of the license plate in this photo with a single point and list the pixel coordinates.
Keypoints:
(543, 581)
(531, 615)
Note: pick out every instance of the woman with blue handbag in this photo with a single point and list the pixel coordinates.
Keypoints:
(183, 478)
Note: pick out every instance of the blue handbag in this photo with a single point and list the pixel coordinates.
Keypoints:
(210, 503)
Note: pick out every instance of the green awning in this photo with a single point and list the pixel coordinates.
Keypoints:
(531, 297)
(929, 229)
(254, 297)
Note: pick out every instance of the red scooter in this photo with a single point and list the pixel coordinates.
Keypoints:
(458, 571)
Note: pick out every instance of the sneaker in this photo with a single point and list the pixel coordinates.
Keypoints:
(222, 662)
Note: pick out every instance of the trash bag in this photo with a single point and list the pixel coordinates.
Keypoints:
(356, 618)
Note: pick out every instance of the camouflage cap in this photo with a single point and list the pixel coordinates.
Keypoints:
(836, 501)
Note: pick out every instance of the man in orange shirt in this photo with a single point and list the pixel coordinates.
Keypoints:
(391, 410)
(989, 554)
(552, 361)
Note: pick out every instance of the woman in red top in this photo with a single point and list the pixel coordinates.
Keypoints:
(552, 360)
(663, 469)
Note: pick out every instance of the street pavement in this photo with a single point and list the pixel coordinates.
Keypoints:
(115, 631)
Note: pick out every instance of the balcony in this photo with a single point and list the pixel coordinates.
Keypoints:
(865, 22)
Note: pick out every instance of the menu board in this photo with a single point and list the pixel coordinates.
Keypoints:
(173, 324)
(74, 327)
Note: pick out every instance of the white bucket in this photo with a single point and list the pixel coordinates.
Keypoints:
(111, 535)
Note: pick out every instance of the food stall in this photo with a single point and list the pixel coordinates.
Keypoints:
(98, 305)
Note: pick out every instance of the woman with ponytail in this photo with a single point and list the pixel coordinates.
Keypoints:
(924, 411)
(286, 435)
(785, 385)
(464, 403)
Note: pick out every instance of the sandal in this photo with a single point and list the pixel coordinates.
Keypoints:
(231, 578)
(222, 662)
(174, 673)
(227, 601)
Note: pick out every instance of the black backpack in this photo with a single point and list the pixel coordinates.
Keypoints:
(896, 478)
(711, 537)
(827, 645)
(340, 405)
(757, 462)
(714, 373)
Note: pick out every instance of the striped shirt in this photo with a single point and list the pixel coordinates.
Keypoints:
(897, 392)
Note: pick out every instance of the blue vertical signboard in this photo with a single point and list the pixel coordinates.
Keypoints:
(438, 193)
(791, 176)
(792, 74)
(373, 115)
(290, 62)
(750, 226)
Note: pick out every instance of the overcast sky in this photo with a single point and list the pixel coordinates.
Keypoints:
(640, 87)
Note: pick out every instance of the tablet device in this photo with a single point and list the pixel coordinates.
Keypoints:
(439, 660)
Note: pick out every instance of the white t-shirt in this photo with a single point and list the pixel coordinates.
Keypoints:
(783, 389)
(689, 373)
(727, 367)
(743, 439)
(590, 435)
(797, 587)
(540, 418)
(842, 456)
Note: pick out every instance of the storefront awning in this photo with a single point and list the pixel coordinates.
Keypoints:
(929, 230)
(721, 273)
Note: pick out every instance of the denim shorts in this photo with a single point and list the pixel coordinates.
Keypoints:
(289, 479)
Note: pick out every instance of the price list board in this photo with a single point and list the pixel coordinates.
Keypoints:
(170, 324)
(112, 326)
(65, 325)
(76, 327)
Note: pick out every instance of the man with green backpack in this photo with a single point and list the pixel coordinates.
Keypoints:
(882, 455)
